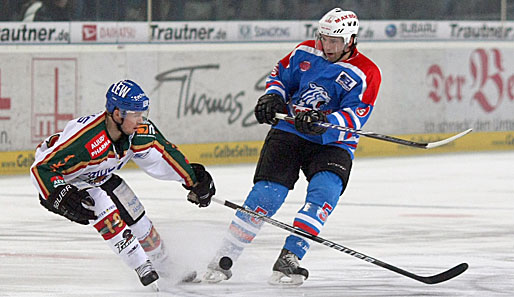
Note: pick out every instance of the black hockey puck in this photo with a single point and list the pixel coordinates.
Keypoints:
(225, 263)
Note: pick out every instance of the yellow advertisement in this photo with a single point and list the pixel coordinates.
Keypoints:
(16, 162)
(248, 151)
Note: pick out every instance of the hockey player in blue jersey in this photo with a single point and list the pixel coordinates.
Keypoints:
(325, 80)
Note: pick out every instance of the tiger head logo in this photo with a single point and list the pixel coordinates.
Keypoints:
(314, 97)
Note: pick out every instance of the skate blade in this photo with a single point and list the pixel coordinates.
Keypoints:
(213, 277)
(155, 287)
(280, 279)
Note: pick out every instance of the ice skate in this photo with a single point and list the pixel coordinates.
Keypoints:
(147, 273)
(287, 270)
(216, 274)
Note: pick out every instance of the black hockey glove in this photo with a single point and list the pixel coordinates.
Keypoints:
(304, 122)
(267, 106)
(202, 192)
(66, 200)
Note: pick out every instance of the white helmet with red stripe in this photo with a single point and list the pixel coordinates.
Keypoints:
(339, 23)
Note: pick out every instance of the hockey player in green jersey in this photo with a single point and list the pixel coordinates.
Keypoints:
(74, 170)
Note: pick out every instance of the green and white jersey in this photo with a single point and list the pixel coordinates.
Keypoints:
(83, 155)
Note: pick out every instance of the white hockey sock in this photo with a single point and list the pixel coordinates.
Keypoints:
(150, 240)
(121, 239)
(239, 235)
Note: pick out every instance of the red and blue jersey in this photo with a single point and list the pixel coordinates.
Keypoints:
(345, 91)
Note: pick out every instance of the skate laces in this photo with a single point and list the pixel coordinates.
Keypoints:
(287, 270)
(291, 260)
(144, 269)
(287, 263)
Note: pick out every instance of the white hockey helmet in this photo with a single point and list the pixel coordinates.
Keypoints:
(339, 23)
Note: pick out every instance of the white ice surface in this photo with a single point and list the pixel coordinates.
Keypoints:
(422, 214)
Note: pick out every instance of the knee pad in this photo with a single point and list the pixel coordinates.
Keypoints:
(265, 198)
(130, 207)
(322, 197)
(325, 187)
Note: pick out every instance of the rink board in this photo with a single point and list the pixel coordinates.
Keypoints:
(248, 152)
(206, 93)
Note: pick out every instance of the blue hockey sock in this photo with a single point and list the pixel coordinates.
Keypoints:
(322, 197)
(265, 198)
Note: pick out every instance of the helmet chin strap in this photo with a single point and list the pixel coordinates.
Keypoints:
(350, 50)
(344, 53)
(118, 126)
(118, 145)
(341, 56)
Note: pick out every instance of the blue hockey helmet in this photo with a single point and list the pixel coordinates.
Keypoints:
(127, 96)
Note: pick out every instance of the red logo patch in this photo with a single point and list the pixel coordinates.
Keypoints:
(89, 32)
(362, 112)
(305, 65)
(98, 145)
(57, 180)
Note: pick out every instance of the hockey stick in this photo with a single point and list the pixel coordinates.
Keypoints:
(423, 145)
(435, 279)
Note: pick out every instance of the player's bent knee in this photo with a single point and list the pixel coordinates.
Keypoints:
(110, 224)
(130, 207)
(324, 187)
(266, 197)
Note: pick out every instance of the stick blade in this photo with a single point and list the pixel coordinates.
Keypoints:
(444, 276)
(447, 140)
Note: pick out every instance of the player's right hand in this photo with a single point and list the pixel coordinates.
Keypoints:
(267, 106)
(203, 190)
(67, 201)
(305, 122)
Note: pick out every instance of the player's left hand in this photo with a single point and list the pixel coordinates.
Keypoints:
(202, 192)
(267, 106)
(304, 122)
(68, 201)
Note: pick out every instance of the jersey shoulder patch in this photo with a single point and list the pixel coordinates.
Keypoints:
(145, 129)
(346, 81)
(146, 133)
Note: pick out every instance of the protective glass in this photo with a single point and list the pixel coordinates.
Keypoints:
(330, 44)
(134, 115)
